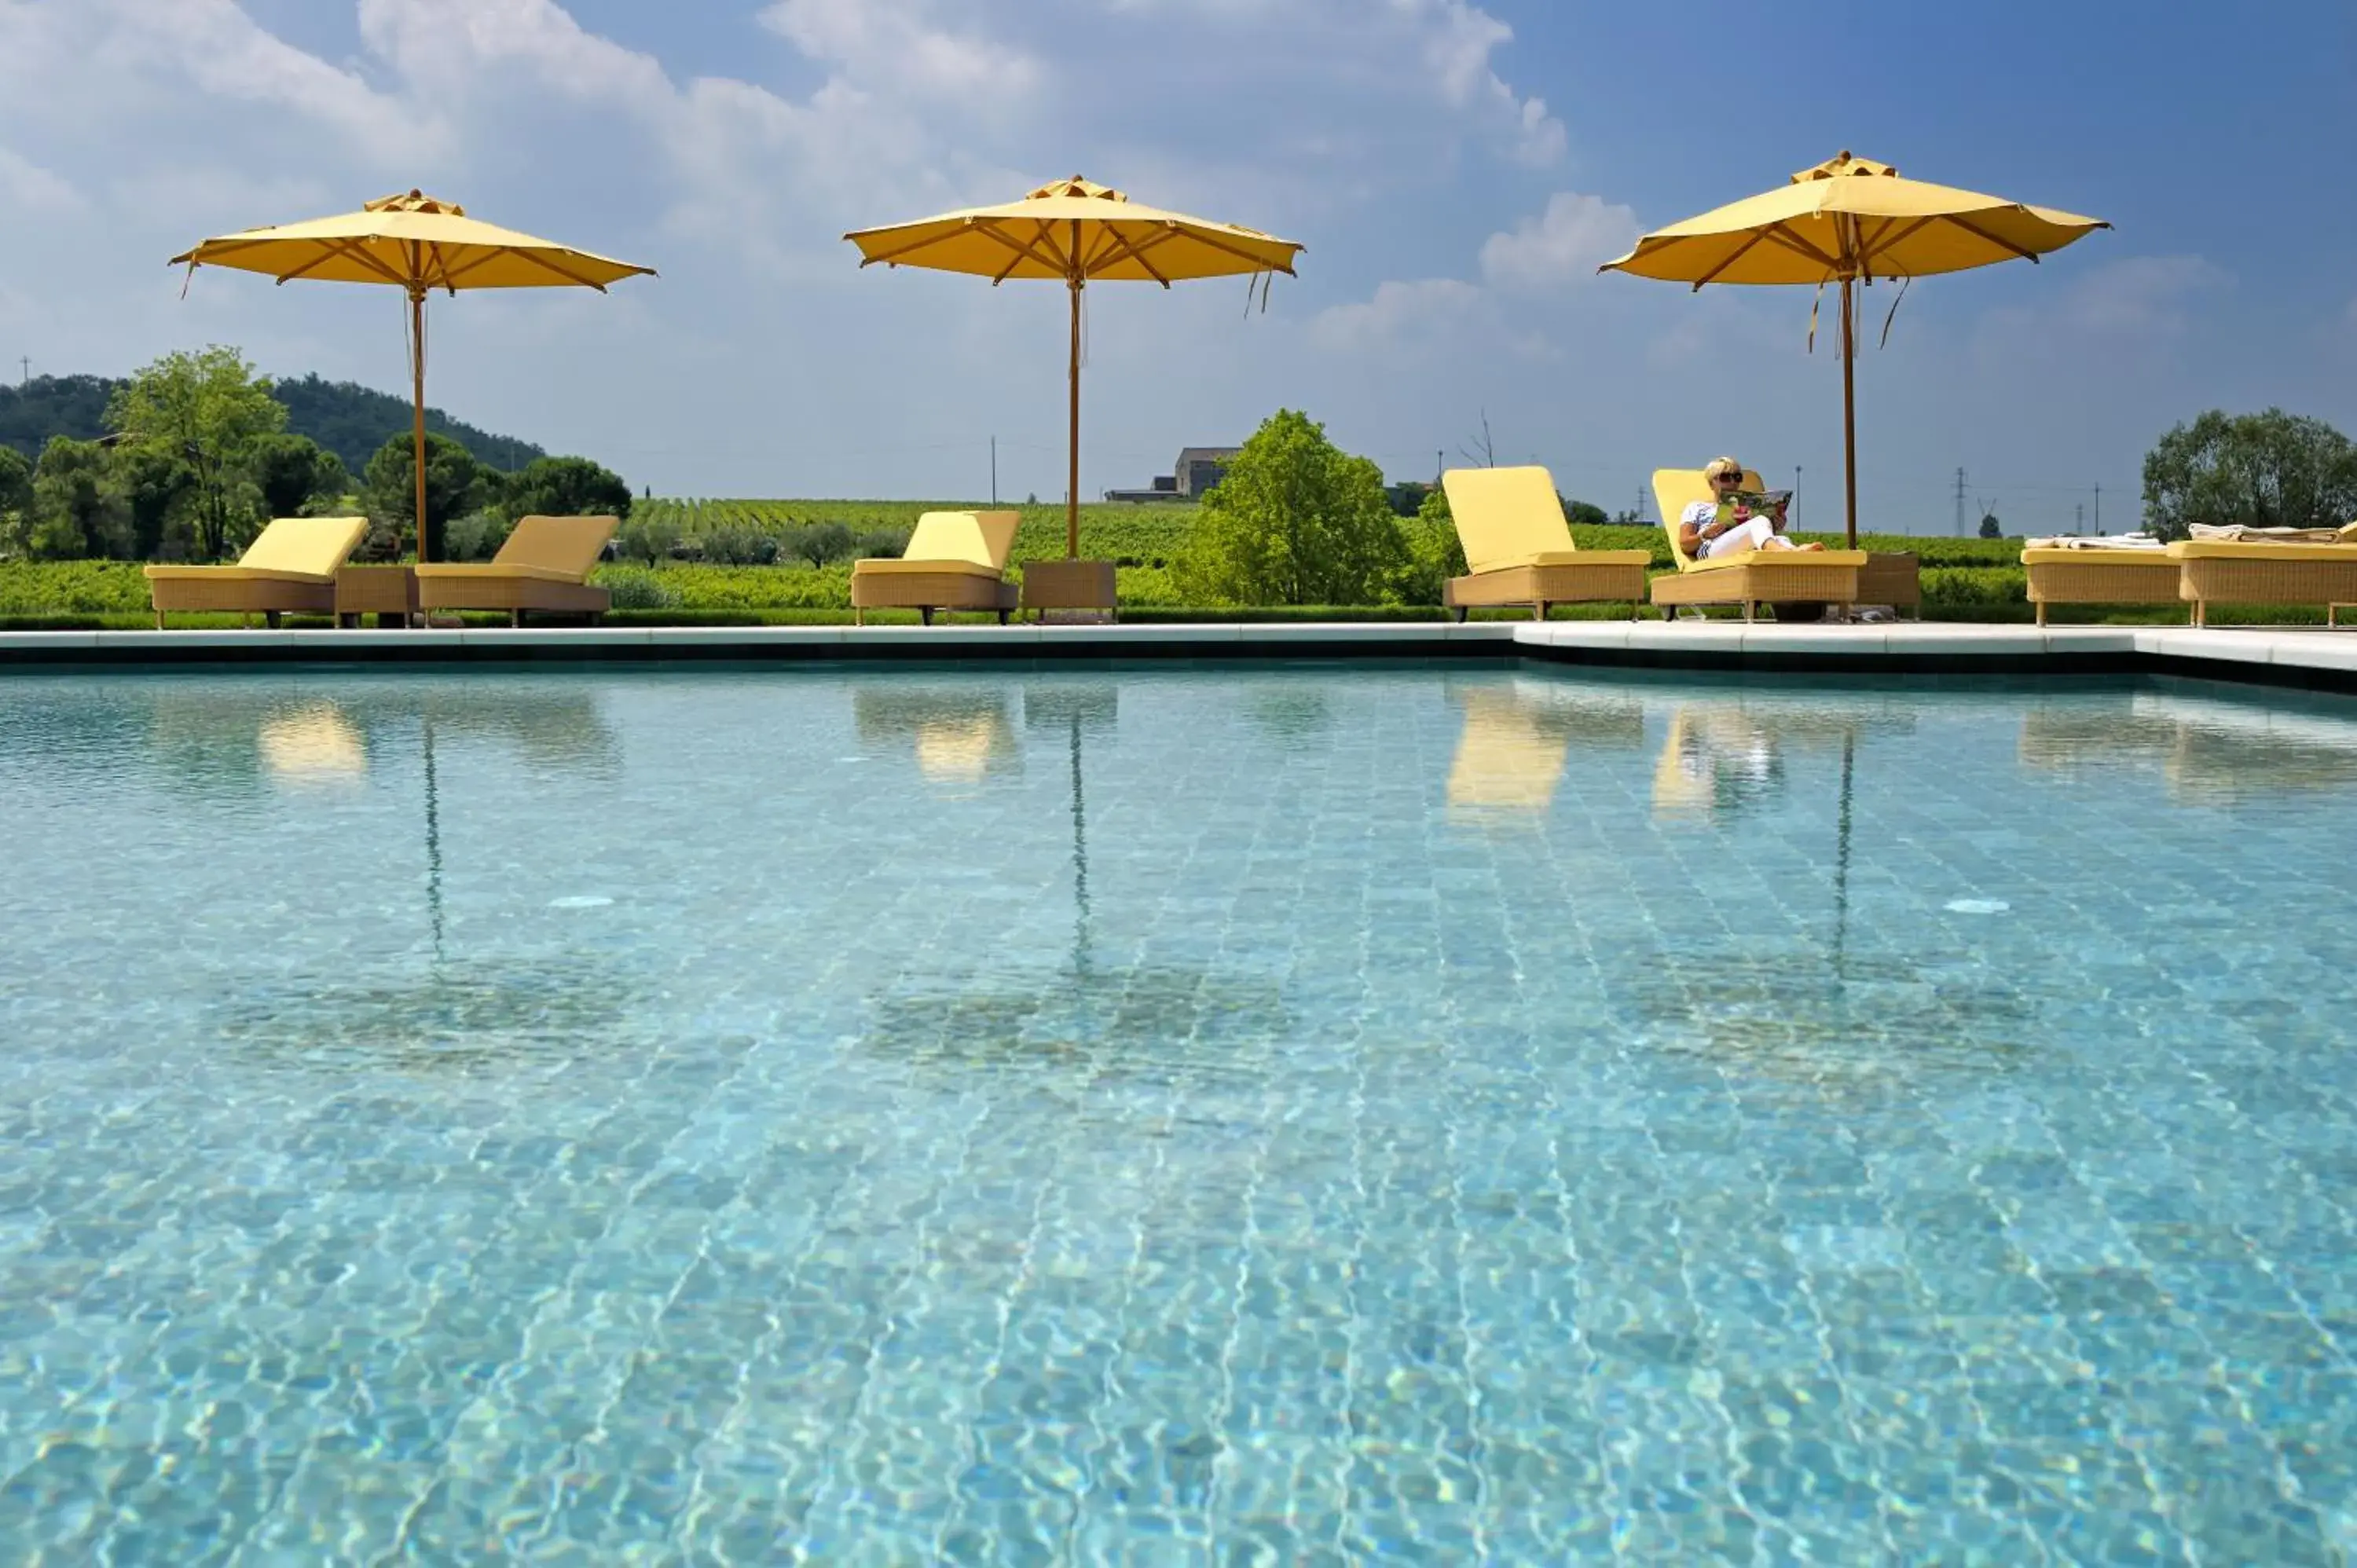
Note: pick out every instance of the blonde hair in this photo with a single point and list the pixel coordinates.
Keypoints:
(1717, 466)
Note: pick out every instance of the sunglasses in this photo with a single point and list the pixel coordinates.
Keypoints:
(1729, 479)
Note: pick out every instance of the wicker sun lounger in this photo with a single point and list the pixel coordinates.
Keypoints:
(955, 561)
(291, 565)
(1518, 549)
(2218, 571)
(2058, 574)
(543, 569)
(1754, 578)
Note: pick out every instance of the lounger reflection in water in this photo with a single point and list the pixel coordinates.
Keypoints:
(958, 736)
(2208, 752)
(1518, 738)
(315, 744)
(1716, 757)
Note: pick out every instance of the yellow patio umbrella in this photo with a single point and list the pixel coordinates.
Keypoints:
(417, 244)
(1850, 220)
(1082, 234)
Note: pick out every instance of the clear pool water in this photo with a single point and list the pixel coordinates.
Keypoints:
(1172, 1117)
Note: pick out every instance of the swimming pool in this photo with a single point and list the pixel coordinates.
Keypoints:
(1173, 1116)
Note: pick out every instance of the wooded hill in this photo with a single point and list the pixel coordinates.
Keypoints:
(348, 419)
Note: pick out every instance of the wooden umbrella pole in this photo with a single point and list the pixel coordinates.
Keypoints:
(1072, 477)
(1850, 415)
(417, 405)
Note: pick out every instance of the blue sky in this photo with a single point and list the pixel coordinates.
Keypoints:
(1456, 171)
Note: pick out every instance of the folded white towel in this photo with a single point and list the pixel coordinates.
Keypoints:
(2098, 542)
(2245, 534)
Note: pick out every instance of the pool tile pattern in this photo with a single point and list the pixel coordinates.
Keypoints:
(1229, 1116)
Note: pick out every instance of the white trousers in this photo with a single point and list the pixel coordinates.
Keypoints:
(1753, 535)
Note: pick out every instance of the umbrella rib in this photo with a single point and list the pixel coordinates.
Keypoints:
(1137, 252)
(339, 249)
(1024, 250)
(910, 248)
(1998, 241)
(442, 265)
(538, 259)
(1784, 235)
(1262, 263)
(450, 274)
(1880, 243)
(1734, 256)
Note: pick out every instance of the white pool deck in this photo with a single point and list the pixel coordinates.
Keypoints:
(2307, 657)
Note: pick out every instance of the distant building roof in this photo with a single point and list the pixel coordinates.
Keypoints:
(1207, 455)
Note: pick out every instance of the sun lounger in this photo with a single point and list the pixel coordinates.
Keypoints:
(1518, 549)
(955, 561)
(2121, 570)
(1753, 577)
(543, 569)
(291, 565)
(2265, 571)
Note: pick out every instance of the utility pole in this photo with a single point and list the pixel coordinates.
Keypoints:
(2098, 509)
(993, 470)
(2079, 517)
(26, 379)
(1960, 503)
(1439, 465)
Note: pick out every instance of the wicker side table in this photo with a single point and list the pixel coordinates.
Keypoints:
(1069, 586)
(388, 593)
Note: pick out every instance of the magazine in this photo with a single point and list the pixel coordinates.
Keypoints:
(1759, 503)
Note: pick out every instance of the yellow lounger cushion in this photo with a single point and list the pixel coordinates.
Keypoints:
(910, 568)
(2051, 555)
(498, 571)
(567, 546)
(2259, 549)
(1508, 517)
(1577, 558)
(1778, 560)
(235, 574)
(291, 550)
(981, 539)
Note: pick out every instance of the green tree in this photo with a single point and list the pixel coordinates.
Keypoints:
(1583, 514)
(207, 406)
(160, 488)
(453, 485)
(2268, 469)
(15, 501)
(79, 508)
(291, 469)
(1296, 522)
(566, 487)
(1990, 527)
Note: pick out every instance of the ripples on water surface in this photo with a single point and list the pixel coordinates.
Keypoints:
(1181, 1116)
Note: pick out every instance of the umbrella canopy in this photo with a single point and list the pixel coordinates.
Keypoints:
(1079, 232)
(417, 244)
(1850, 220)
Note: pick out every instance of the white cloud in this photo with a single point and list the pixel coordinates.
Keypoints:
(893, 43)
(1543, 254)
(26, 184)
(225, 54)
(1458, 43)
(2135, 303)
(1397, 310)
(1560, 246)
